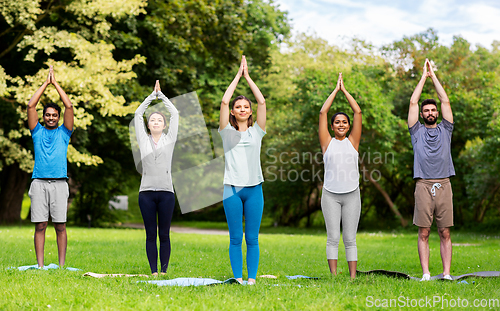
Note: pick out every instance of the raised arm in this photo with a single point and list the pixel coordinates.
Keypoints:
(413, 110)
(174, 114)
(68, 106)
(355, 136)
(261, 101)
(32, 114)
(443, 98)
(140, 128)
(224, 106)
(324, 134)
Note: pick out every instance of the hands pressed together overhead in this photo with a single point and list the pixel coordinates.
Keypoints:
(340, 84)
(157, 87)
(428, 70)
(243, 71)
(51, 79)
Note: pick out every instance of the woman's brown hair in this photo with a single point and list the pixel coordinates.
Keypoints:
(232, 118)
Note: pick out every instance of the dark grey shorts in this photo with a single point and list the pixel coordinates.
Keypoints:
(49, 197)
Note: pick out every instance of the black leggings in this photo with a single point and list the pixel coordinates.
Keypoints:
(161, 203)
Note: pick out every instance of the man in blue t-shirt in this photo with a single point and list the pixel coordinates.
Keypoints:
(49, 190)
(432, 168)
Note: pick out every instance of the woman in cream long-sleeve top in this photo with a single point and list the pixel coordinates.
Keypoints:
(156, 193)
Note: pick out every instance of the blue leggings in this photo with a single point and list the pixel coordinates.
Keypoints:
(159, 203)
(239, 202)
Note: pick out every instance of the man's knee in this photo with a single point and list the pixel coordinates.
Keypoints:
(423, 234)
(60, 227)
(444, 233)
(41, 226)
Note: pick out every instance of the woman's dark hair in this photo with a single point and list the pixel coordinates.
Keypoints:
(342, 113)
(232, 118)
(161, 114)
(52, 105)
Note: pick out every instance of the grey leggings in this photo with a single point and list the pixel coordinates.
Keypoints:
(348, 207)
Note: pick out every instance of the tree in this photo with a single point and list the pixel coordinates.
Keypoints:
(305, 76)
(93, 45)
(470, 78)
(196, 45)
(73, 37)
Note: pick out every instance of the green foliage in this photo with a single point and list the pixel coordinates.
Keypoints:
(188, 45)
(470, 78)
(196, 45)
(108, 139)
(107, 55)
(294, 165)
(73, 36)
(304, 73)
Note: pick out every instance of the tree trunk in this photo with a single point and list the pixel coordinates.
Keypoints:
(485, 205)
(13, 182)
(386, 196)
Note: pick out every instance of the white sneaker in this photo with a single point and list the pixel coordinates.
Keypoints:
(426, 277)
(448, 277)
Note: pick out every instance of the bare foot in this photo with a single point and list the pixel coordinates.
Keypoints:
(251, 282)
(155, 274)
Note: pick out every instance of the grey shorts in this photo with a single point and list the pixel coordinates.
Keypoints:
(49, 197)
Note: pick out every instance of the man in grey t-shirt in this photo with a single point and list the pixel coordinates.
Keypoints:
(432, 168)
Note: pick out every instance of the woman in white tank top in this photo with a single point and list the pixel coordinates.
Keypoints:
(340, 199)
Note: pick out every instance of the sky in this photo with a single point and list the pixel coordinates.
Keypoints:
(383, 22)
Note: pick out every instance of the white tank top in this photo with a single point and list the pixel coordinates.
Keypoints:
(341, 166)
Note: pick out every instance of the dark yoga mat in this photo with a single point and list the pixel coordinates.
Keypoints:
(396, 274)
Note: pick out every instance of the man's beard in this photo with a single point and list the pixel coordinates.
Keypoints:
(430, 122)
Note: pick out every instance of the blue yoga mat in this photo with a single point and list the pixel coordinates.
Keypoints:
(35, 267)
(204, 281)
(192, 282)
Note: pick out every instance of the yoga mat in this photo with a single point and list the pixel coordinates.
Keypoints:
(35, 267)
(98, 275)
(204, 281)
(396, 274)
(192, 282)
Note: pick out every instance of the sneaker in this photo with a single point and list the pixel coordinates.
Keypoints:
(448, 277)
(426, 277)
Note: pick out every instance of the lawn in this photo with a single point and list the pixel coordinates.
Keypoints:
(193, 255)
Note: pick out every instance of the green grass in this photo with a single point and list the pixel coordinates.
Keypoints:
(123, 251)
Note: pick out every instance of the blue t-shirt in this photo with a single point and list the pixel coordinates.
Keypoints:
(432, 150)
(51, 149)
